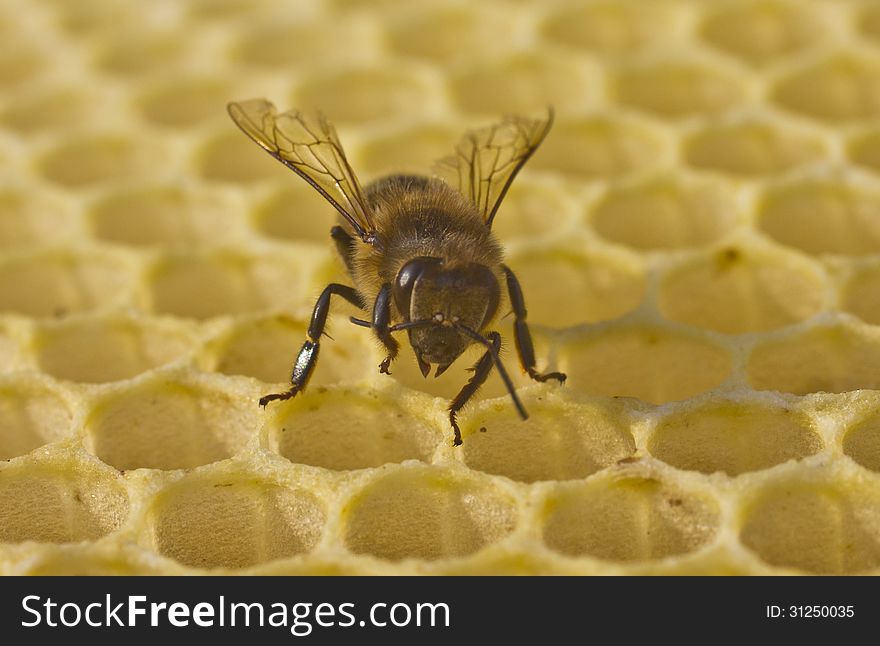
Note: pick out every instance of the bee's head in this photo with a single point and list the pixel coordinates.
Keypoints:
(427, 290)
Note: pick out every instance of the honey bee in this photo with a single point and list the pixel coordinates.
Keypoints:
(420, 250)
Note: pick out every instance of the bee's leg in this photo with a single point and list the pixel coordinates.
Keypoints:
(381, 327)
(481, 371)
(344, 245)
(308, 354)
(521, 334)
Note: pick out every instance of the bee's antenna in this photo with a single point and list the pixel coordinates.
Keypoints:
(479, 338)
(394, 328)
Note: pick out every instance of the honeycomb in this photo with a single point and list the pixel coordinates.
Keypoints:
(698, 241)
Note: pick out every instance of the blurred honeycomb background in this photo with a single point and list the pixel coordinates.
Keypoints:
(698, 240)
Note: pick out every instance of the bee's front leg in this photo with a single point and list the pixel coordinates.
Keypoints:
(521, 334)
(481, 372)
(381, 327)
(308, 354)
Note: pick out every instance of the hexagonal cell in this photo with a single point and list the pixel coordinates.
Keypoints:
(764, 31)
(563, 288)
(834, 358)
(442, 34)
(185, 102)
(678, 89)
(828, 526)
(531, 210)
(296, 213)
(862, 442)
(85, 160)
(29, 217)
(665, 214)
(861, 294)
(367, 94)
(166, 215)
(524, 84)
(559, 441)
(823, 217)
(230, 156)
(100, 350)
(59, 503)
(627, 519)
(656, 365)
(345, 430)
(843, 87)
(612, 28)
(864, 149)
(233, 521)
(220, 284)
(53, 109)
(267, 349)
(55, 284)
(414, 150)
(733, 437)
(751, 148)
(735, 291)
(140, 52)
(31, 415)
(302, 43)
(167, 424)
(426, 513)
(597, 147)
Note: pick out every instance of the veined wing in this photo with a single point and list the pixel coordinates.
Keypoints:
(310, 147)
(487, 160)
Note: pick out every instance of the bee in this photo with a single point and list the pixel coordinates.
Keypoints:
(420, 250)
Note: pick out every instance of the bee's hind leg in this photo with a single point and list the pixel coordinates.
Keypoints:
(521, 334)
(381, 327)
(308, 354)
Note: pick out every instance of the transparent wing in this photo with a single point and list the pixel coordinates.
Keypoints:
(487, 160)
(309, 146)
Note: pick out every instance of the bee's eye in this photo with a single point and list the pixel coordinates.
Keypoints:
(406, 280)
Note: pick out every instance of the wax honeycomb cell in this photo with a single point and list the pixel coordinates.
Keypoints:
(832, 217)
(558, 442)
(697, 240)
(734, 292)
(427, 514)
(751, 149)
(227, 522)
(733, 437)
(627, 519)
(168, 424)
(827, 526)
(653, 364)
(664, 214)
(313, 432)
(763, 32)
(95, 350)
(59, 501)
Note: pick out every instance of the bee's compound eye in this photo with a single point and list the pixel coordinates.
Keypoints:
(406, 280)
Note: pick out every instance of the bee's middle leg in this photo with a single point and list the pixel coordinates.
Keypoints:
(307, 358)
(523, 338)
